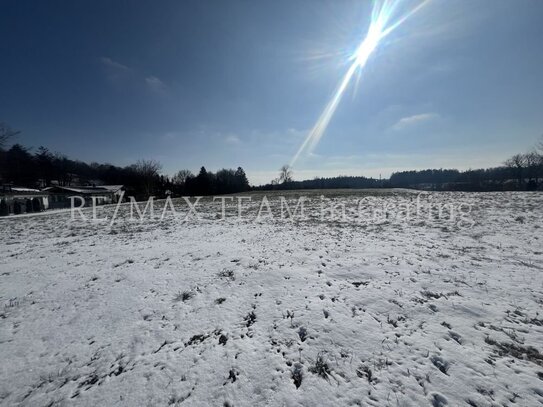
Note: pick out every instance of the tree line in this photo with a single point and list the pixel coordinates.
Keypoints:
(20, 166)
(341, 182)
(522, 172)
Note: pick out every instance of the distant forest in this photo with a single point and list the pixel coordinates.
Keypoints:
(20, 166)
(521, 172)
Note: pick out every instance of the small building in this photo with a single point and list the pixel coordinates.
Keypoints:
(61, 196)
(17, 200)
(115, 190)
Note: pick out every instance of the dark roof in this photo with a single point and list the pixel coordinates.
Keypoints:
(103, 189)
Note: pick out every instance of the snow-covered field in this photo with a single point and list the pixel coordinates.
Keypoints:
(238, 312)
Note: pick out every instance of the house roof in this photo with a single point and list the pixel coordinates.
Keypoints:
(112, 188)
(20, 191)
(23, 189)
(85, 190)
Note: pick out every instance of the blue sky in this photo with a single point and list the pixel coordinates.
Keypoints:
(229, 83)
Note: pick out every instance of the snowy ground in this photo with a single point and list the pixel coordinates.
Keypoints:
(243, 313)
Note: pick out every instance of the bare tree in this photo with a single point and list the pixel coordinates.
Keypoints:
(181, 177)
(285, 174)
(531, 161)
(148, 170)
(147, 167)
(6, 133)
(517, 163)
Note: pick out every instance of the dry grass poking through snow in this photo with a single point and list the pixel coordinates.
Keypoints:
(275, 313)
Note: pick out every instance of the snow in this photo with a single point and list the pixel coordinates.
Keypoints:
(21, 189)
(235, 311)
(85, 189)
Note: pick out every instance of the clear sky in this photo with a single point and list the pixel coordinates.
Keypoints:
(230, 83)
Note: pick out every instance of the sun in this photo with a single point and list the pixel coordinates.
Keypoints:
(380, 27)
(367, 46)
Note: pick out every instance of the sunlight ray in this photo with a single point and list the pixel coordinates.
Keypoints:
(379, 28)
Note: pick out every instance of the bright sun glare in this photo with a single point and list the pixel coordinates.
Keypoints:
(379, 28)
(369, 44)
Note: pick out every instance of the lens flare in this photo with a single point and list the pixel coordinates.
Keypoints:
(380, 27)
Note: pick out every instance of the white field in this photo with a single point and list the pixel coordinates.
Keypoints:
(237, 312)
